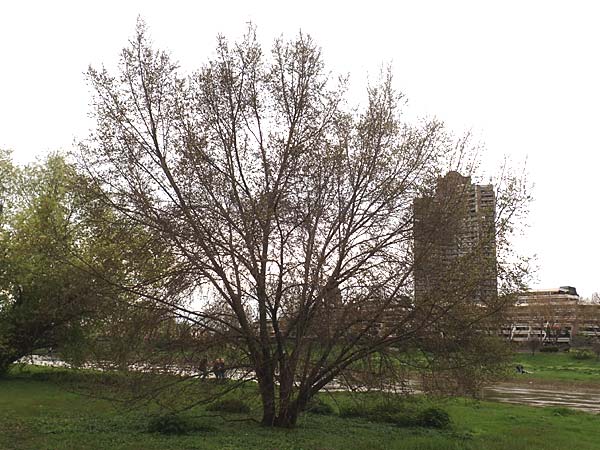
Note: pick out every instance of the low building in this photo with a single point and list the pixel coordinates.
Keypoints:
(553, 317)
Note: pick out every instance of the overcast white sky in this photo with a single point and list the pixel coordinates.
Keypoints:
(524, 76)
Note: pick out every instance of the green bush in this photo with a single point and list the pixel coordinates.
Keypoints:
(374, 412)
(168, 424)
(583, 354)
(549, 349)
(41, 376)
(229, 405)
(390, 408)
(392, 412)
(353, 411)
(563, 411)
(403, 419)
(433, 418)
(402, 414)
(318, 406)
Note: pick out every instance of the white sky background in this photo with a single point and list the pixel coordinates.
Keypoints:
(523, 76)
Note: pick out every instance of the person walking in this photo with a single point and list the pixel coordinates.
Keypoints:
(203, 368)
(221, 368)
(215, 368)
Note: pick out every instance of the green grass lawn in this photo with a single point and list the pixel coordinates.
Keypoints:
(561, 367)
(38, 413)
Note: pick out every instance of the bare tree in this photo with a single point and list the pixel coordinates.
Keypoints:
(594, 299)
(588, 325)
(294, 209)
(534, 343)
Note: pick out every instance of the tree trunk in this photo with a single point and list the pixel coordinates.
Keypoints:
(266, 386)
(5, 362)
(4, 365)
(285, 415)
(288, 409)
(287, 418)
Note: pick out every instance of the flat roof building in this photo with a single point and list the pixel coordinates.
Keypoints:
(552, 316)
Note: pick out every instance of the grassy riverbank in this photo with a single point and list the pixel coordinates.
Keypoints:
(37, 412)
(558, 367)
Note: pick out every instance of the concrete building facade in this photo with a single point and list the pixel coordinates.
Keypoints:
(553, 317)
(454, 239)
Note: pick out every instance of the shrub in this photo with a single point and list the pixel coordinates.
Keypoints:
(318, 406)
(379, 412)
(433, 418)
(389, 408)
(403, 419)
(563, 411)
(583, 354)
(397, 413)
(549, 349)
(41, 376)
(229, 405)
(168, 424)
(353, 411)
(402, 414)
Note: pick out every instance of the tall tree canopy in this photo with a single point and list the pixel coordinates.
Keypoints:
(63, 262)
(43, 299)
(292, 210)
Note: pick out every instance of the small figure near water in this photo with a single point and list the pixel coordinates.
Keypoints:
(521, 369)
(203, 368)
(219, 368)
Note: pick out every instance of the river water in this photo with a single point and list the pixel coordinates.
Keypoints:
(584, 399)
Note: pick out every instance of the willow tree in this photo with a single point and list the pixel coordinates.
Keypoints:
(44, 297)
(291, 209)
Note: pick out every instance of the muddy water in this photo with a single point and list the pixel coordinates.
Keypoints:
(580, 398)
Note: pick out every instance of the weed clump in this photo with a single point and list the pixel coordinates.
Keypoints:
(169, 424)
(563, 411)
(583, 354)
(229, 405)
(350, 411)
(433, 417)
(319, 406)
(401, 414)
(549, 349)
